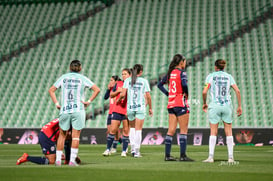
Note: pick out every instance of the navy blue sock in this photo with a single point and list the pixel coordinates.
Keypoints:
(168, 145)
(115, 144)
(183, 144)
(67, 150)
(38, 160)
(110, 139)
(125, 142)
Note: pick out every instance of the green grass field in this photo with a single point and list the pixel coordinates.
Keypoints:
(253, 163)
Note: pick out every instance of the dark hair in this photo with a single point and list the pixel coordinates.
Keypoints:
(75, 66)
(176, 60)
(127, 70)
(136, 70)
(220, 64)
(116, 78)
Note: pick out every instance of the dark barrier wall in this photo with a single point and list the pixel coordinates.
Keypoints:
(242, 136)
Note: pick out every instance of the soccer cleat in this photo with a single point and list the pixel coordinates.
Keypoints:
(106, 153)
(78, 160)
(209, 160)
(22, 159)
(137, 155)
(123, 154)
(185, 159)
(170, 158)
(58, 163)
(113, 150)
(73, 164)
(133, 153)
(231, 160)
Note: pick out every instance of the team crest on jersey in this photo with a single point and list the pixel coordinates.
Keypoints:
(52, 148)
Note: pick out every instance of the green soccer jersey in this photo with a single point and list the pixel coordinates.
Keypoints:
(219, 83)
(72, 91)
(135, 94)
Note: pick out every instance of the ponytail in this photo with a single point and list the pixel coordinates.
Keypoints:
(136, 70)
(176, 60)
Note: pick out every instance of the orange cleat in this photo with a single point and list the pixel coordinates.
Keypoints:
(22, 159)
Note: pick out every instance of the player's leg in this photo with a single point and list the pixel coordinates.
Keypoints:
(64, 123)
(125, 136)
(183, 120)
(139, 121)
(169, 136)
(111, 136)
(132, 134)
(227, 119)
(214, 115)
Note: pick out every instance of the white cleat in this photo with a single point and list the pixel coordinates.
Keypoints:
(113, 150)
(209, 160)
(123, 154)
(106, 153)
(231, 160)
(137, 155)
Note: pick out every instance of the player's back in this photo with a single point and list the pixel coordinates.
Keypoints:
(220, 83)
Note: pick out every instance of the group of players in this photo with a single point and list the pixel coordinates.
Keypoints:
(128, 101)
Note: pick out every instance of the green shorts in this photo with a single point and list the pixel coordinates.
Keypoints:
(219, 113)
(132, 115)
(76, 119)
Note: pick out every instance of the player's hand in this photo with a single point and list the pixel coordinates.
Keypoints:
(239, 111)
(151, 112)
(86, 104)
(205, 107)
(57, 105)
(119, 89)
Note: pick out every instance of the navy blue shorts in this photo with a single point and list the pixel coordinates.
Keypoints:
(47, 145)
(178, 111)
(109, 119)
(119, 117)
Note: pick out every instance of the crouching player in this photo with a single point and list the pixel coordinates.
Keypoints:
(47, 138)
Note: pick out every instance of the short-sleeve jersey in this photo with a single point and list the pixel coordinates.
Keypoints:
(51, 130)
(121, 106)
(219, 84)
(72, 91)
(136, 94)
(176, 97)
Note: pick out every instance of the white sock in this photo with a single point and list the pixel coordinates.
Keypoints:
(230, 146)
(212, 143)
(59, 155)
(73, 154)
(138, 139)
(132, 138)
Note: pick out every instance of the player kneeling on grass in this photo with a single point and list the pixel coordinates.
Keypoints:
(47, 139)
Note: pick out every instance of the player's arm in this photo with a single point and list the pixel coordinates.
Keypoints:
(204, 94)
(122, 94)
(161, 87)
(52, 94)
(149, 102)
(184, 84)
(238, 95)
(115, 91)
(107, 94)
(96, 91)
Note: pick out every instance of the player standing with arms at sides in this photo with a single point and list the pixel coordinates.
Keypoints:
(220, 106)
(136, 88)
(177, 105)
(47, 139)
(119, 115)
(112, 88)
(72, 108)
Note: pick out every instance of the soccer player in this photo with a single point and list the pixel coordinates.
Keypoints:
(72, 108)
(47, 139)
(136, 88)
(220, 106)
(177, 105)
(118, 116)
(111, 88)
